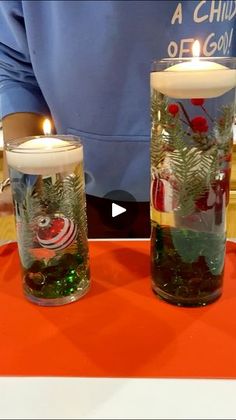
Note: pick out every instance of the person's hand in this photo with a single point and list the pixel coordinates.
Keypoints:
(6, 204)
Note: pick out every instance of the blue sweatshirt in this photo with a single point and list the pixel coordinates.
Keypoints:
(88, 63)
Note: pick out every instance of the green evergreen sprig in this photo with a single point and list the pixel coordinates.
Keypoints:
(164, 130)
(73, 206)
(27, 211)
(223, 129)
(194, 168)
(193, 171)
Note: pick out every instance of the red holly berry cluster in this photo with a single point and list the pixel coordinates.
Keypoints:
(197, 101)
(173, 109)
(199, 124)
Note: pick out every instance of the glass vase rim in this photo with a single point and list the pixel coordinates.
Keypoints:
(175, 60)
(212, 58)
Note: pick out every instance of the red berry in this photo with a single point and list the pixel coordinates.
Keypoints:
(197, 101)
(199, 124)
(173, 109)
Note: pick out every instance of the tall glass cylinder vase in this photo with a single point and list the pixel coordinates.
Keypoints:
(192, 112)
(49, 203)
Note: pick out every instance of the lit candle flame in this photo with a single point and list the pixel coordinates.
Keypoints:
(47, 127)
(196, 49)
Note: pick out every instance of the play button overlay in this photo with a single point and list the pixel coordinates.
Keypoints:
(117, 210)
(117, 215)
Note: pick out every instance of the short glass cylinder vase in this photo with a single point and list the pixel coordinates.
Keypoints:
(192, 113)
(47, 182)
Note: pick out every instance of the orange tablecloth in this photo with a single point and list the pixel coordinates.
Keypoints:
(119, 329)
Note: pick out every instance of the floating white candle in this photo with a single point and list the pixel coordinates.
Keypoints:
(198, 78)
(43, 155)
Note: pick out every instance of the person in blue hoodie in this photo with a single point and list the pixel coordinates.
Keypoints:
(87, 65)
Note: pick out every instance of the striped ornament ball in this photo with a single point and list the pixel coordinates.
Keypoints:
(56, 232)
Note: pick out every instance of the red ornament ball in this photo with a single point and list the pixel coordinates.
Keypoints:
(173, 109)
(199, 124)
(206, 201)
(162, 195)
(197, 101)
(56, 233)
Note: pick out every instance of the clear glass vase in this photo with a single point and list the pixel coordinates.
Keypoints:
(47, 182)
(192, 113)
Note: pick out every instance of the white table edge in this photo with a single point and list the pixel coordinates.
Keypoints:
(97, 398)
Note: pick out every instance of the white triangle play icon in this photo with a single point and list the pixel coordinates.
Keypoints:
(116, 210)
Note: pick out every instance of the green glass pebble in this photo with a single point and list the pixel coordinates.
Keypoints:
(79, 259)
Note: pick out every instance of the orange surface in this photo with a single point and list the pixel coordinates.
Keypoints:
(119, 329)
